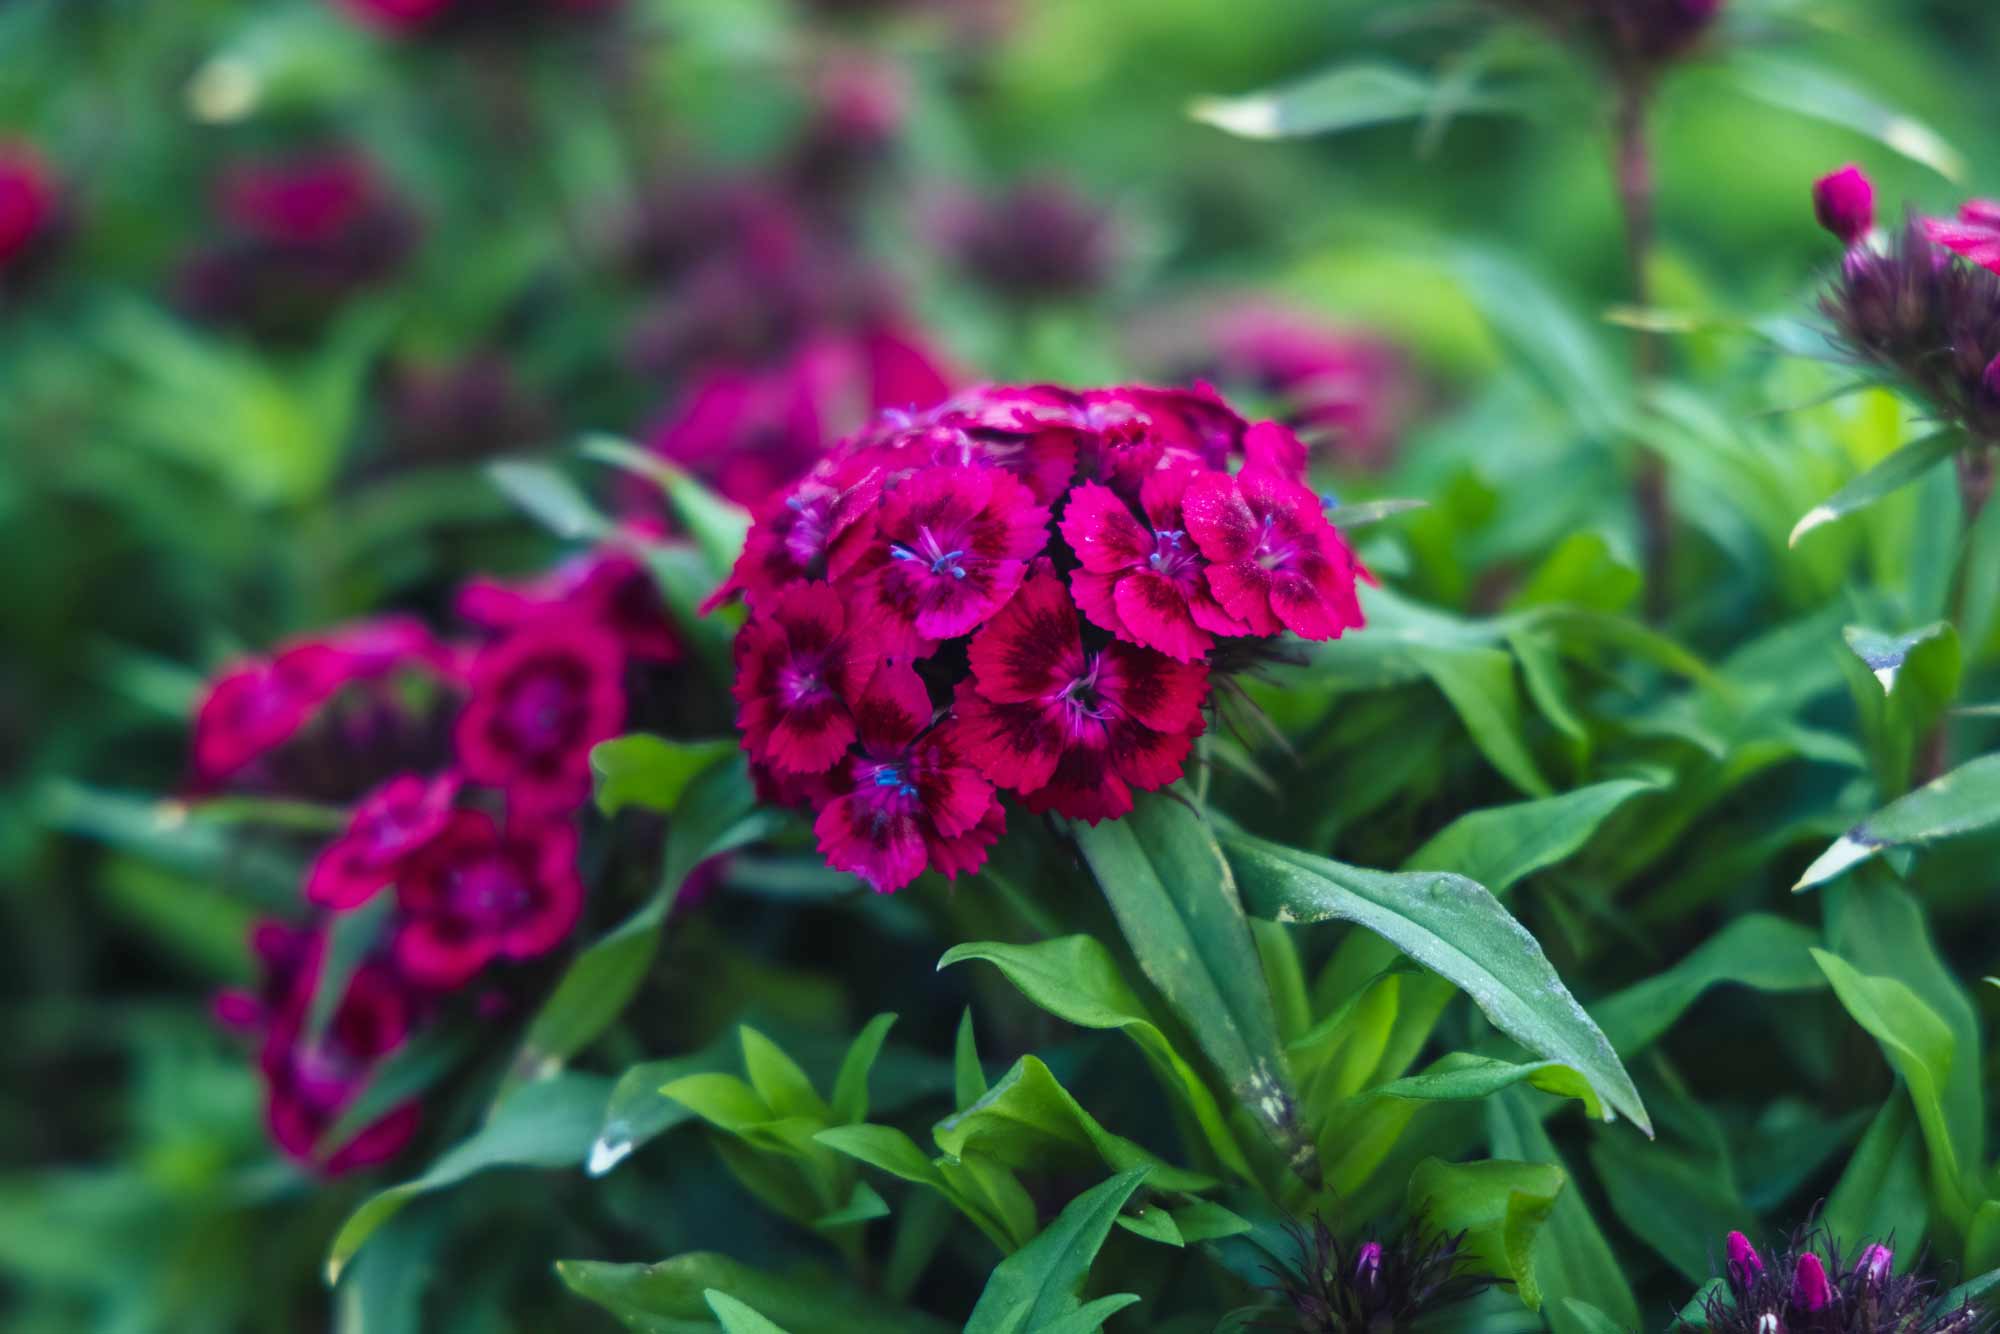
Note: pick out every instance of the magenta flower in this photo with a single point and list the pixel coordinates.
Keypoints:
(310, 1080)
(943, 552)
(1975, 233)
(911, 798)
(396, 821)
(398, 16)
(1844, 203)
(29, 204)
(1073, 731)
(541, 697)
(258, 705)
(606, 587)
(283, 952)
(794, 534)
(475, 894)
(1277, 564)
(797, 673)
(1144, 582)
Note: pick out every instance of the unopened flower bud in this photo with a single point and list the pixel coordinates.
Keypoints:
(1744, 1264)
(1875, 1260)
(1368, 1265)
(1844, 202)
(1810, 1289)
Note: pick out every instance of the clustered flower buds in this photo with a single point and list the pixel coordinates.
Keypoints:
(1373, 1287)
(302, 235)
(1913, 310)
(1024, 589)
(464, 766)
(1810, 1288)
(1039, 240)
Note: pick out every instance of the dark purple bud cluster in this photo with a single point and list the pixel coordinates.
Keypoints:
(1376, 1287)
(1927, 320)
(1810, 1288)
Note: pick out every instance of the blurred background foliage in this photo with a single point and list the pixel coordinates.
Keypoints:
(172, 493)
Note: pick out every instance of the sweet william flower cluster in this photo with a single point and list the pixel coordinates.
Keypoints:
(1024, 590)
(462, 765)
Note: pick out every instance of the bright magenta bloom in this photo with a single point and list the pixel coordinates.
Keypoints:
(1975, 233)
(1145, 582)
(945, 550)
(541, 698)
(1844, 203)
(1277, 563)
(396, 821)
(910, 798)
(1070, 729)
(798, 672)
(606, 587)
(476, 894)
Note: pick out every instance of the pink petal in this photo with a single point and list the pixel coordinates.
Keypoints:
(1153, 611)
(1102, 531)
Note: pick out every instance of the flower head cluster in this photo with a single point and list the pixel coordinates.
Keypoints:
(1631, 35)
(471, 835)
(1914, 310)
(1024, 590)
(423, 18)
(301, 235)
(1810, 1288)
(1373, 1287)
(30, 214)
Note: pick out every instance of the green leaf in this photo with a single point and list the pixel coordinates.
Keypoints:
(1817, 92)
(1090, 1318)
(850, 1086)
(672, 1296)
(1455, 928)
(1962, 802)
(862, 1206)
(1465, 1076)
(968, 1079)
(1075, 979)
(778, 1079)
(1154, 1224)
(1756, 950)
(1045, 1277)
(1028, 1118)
(550, 498)
(1337, 99)
(718, 526)
(1479, 682)
(1920, 1047)
(1891, 475)
(650, 772)
(638, 1112)
(737, 1317)
(715, 814)
(1502, 845)
(550, 1123)
(1500, 1206)
(1576, 1261)
(1177, 904)
(1676, 1203)
(1881, 1193)
(1590, 1320)
(1909, 682)
(884, 1148)
(724, 1101)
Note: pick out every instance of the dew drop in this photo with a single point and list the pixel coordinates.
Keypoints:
(612, 1148)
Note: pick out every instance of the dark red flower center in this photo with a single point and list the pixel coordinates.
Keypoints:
(805, 540)
(490, 892)
(1277, 545)
(544, 708)
(802, 680)
(1173, 555)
